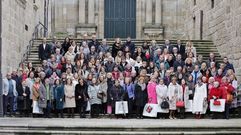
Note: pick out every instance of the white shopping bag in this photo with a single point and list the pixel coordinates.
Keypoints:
(88, 106)
(217, 108)
(150, 110)
(189, 107)
(36, 109)
(121, 107)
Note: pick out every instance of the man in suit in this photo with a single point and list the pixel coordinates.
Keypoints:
(9, 93)
(168, 46)
(180, 48)
(44, 50)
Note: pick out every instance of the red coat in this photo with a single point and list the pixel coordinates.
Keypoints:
(226, 88)
(217, 92)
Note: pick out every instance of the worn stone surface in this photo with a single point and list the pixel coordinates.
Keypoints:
(221, 24)
(15, 15)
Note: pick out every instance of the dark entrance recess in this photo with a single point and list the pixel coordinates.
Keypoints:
(120, 18)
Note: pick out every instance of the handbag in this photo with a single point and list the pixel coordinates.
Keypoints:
(180, 104)
(216, 103)
(164, 104)
(229, 97)
(100, 96)
(149, 109)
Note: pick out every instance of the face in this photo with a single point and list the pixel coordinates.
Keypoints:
(9, 76)
(183, 82)
(57, 82)
(94, 80)
(117, 82)
(161, 82)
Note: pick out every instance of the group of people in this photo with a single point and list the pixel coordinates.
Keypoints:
(91, 76)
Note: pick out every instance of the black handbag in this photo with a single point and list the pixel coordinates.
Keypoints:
(165, 104)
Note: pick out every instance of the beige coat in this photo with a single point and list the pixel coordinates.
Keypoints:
(69, 96)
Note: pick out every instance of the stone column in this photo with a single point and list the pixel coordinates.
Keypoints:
(81, 11)
(149, 11)
(138, 18)
(91, 11)
(158, 12)
(101, 19)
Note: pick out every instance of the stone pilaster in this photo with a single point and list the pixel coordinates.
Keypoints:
(149, 11)
(81, 11)
(91, 11)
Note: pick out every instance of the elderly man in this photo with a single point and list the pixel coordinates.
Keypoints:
(44, 50)
(9, 93)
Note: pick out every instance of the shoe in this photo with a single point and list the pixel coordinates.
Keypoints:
(170, 117)
(174, 117)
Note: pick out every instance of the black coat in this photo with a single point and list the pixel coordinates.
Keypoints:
(181, 49)
(23, 101)
(140, 96)
(83, 93)
(44, 54)
(117, 93)
(65, 47)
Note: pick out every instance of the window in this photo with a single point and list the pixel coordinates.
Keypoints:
(194, 2)
(212, 3)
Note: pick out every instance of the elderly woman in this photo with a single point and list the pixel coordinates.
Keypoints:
(215, 93)
(161, 91)
(103, 93)
(174, 94)
(37, 87)
(69, 93)
(200, 97)
(94, 93)
(24, 99)
(59, 97)
(81, 97)
(70, 55)
(140, 96)
(151, 91)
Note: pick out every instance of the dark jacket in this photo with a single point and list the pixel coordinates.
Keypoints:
(23, 101)
(59, 96)
(117, 94)
(140, 96)
(44, 54)
(81, 90)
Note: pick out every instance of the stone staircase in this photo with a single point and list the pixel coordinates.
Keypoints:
(40, 126)
(203, 47)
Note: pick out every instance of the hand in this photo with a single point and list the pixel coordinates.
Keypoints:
(24, 94)
(60, 99)
(79, 97)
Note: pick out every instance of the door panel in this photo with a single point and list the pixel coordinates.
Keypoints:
(120, 18)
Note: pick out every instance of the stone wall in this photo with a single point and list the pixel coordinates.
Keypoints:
(16, 15)
(221, 24)
(162, 18)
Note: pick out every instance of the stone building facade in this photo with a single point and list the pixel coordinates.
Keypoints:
(219, 21)
(154, 18)
(19, 18)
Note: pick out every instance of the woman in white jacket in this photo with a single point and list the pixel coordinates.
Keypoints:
(200, 98)
(161, 91)
(174, 95)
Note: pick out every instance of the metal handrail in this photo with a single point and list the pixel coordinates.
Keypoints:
(35, 35)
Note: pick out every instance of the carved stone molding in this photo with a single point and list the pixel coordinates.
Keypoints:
(153, 31)
(89, 29)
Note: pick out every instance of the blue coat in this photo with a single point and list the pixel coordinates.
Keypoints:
(59, 96)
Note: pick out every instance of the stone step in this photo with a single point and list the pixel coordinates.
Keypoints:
(118, 126)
